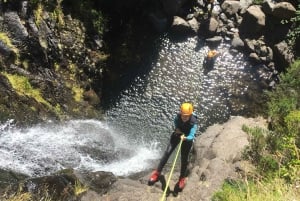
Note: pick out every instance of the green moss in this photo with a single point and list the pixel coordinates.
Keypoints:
(24, 88)
(38, 12)
(57, 109)
(6, 40)
(25, 64)
(33, 108)
(77, 93)
(58, 13)
(77, 90)
(56, 67)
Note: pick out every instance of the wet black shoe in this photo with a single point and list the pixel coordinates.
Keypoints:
(176, 190)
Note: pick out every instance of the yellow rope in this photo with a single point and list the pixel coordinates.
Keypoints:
(171, 172)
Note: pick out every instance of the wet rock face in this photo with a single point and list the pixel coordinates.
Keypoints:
(62, 185)
(9, 179)
(55, 55)
(13, 23)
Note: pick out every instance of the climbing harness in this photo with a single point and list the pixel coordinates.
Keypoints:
(171, 172)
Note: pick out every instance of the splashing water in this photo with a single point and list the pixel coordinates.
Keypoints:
(79, 144)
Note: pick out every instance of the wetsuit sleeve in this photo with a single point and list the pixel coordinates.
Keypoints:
(192, 133)
(176, 121)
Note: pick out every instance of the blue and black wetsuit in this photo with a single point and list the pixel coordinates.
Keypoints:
(189, 129)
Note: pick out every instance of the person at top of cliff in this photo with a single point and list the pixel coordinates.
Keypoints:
(185, 129)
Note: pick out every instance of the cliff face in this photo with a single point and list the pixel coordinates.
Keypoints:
(50, 63)
(56, 55)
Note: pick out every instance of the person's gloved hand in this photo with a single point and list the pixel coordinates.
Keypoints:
(182, 137)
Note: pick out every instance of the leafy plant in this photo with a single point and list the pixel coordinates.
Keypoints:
(275, 189)
(79, 188)
(294, 34)
(284, 111)
(257, 152)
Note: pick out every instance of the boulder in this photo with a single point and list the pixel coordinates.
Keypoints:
(237, 43)
(230, 7)
(254, 20)
(284, 10)
(180, 26)
(283, 56)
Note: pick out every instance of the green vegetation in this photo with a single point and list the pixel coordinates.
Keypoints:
(6, 40)
(58, 14)
(77, 90)
(284, 111)
(88, 13)
(54, 10)
(38, 12)
(274, 152)
(77, 93)
(275, 190)
(23, 87)
(294, 34)
(20, 195)
(258, 2)
(79, 188)
(258, 152)
(43, 194)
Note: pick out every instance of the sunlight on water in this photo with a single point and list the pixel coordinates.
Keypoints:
(146, 109)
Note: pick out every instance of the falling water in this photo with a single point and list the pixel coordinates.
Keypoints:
(79, 144)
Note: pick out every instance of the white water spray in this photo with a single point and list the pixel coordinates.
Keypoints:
(79, 144)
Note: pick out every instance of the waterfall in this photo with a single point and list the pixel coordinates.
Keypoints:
(137, 126)
(79, 144)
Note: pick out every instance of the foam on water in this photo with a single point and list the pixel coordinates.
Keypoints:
(142, 160)
(80, 144)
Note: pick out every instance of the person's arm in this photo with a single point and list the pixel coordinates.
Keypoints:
(176, 121)
(192, 133)
(177, 130)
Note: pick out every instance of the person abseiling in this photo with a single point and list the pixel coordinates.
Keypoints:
(185, 128)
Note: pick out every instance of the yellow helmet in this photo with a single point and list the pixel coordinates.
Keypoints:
(186, 109)
(211, 53)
